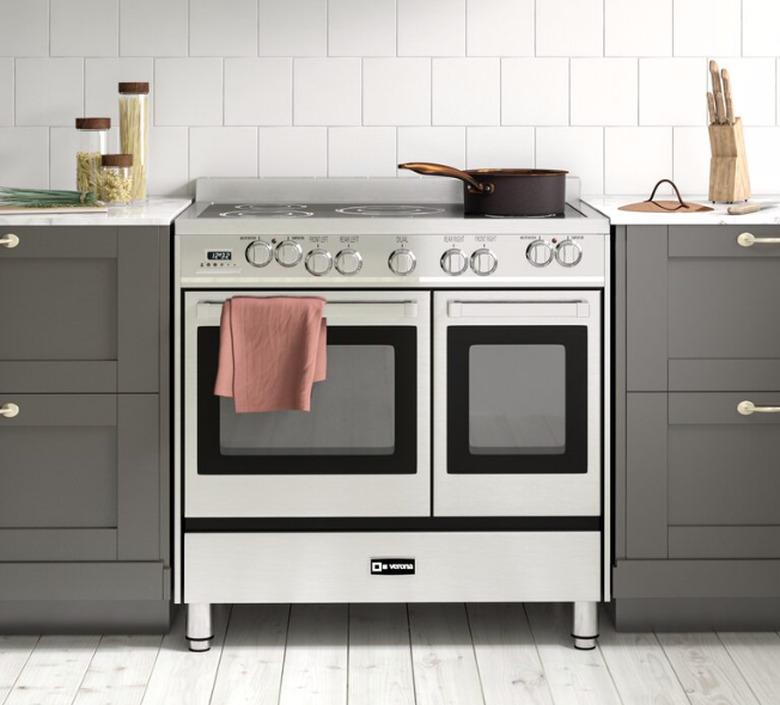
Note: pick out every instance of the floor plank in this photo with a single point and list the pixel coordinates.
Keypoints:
(380, 664)
(639, 667)
(251, 667)
(315, 665)
(705, 669)
(445, 668)
(119, 671)
(757, 655)
(54, 671)
(181, 676)
(14, 653)
(575, 677)
(508, 661)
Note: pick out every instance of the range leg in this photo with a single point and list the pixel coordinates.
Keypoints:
(585, 630)
(199, 630)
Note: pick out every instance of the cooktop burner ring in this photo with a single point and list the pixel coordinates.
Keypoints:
(269, 206)
(390, 209)
(275, 212)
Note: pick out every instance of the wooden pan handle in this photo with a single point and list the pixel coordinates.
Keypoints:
(431, 169)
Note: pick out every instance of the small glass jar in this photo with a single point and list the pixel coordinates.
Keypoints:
(92, 143)
(115, 183)
(134, 131)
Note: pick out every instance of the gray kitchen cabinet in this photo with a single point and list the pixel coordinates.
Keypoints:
(697, 483)
(84, 467)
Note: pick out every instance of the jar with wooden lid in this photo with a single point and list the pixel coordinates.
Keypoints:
(134, 132)
(115, 183)
(91, 145)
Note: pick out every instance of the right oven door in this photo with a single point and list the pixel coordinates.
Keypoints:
(517, 403)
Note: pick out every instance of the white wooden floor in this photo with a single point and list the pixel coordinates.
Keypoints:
(393, 655)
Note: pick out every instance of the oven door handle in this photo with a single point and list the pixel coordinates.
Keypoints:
(518, 309)
(209, 311)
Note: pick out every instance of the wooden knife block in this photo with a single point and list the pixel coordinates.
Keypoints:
(729, 179)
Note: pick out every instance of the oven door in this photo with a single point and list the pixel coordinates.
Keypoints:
(362, 451)
(517, 403)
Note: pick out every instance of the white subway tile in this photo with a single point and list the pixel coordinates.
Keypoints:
(84, 27)
(466, 91)
(361, 151)
(24, 27)
(763, 146)
(499, 147)
(153, 28)
(760, 22)
(500, 28)
(360, 28)
(443, 145)
(62, 157)
(169, 162)
(672, 91)
(580, 150)
(188, 91)
(327, 92)
(101, 77)
(48, 91)
(603, 91)
(224, 28)
(431, 27)
(692, 160)
(638, 27)
(293, 28)
(223, 151)
(258, 91)
(707, 27)
(25, 162)
(535, 91)
(752, 88)
(635, 158)
(397, 91)
(293, 151)
(569, 28)
(6, 92)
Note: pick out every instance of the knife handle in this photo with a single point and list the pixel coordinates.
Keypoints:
(711, 108)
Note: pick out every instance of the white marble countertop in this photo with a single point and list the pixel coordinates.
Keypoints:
(609, 205)
(156, 211)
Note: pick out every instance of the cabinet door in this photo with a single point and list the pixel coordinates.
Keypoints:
(80, 477)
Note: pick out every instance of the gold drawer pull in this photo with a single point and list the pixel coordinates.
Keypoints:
(10, 241)
(748, 408)
(748, 240)
(9, 410)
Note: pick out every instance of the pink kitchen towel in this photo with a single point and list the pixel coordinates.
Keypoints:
(271, 351)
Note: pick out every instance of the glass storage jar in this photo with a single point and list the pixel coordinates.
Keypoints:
(134, 132)
(115, 183)
(92, 141)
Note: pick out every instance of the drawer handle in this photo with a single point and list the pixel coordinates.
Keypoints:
(748, 240)
(9, 410)
(748, 408)
(10, 241)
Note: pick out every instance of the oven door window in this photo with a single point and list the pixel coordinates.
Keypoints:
(362, 420)
(517, 399)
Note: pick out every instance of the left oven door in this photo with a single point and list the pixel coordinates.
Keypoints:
(363, 449)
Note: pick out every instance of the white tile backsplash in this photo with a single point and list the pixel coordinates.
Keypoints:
(612, 90)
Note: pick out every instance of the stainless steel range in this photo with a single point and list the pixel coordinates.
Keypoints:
(456, 451)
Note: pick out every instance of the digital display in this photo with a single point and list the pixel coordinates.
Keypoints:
(220, 255)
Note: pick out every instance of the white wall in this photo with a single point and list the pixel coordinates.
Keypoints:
(611, 89)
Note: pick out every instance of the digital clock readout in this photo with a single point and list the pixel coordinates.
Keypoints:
(220, 255)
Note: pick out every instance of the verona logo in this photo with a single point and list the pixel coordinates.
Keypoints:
(393, 566)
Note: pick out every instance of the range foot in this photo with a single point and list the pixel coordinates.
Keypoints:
(585, 629)
(199, 631)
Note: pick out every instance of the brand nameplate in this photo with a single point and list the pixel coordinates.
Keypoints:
(393, 566)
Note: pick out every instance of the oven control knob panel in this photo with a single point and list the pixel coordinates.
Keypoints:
(259, 253)
(568, 253)
(402, 261)
(539, 253)
(348, 262)
(318, 262)
(454, 262)
(483, 262)
(288, 253)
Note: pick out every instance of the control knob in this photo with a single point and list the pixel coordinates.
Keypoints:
(318, 262)
(288, 253)
(402, 261)
(259, 253)
(348, 262)
(454, 262)
(539, 253)
(483, 262)
(568, 253)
